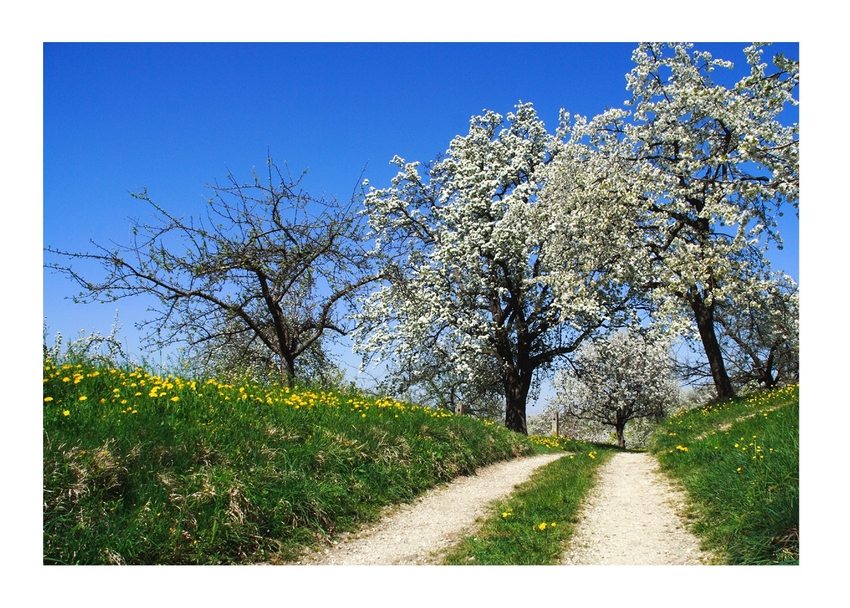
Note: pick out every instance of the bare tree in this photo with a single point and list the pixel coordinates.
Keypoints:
(268, 271)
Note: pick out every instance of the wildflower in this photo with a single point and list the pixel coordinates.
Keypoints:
(541, 526)
(506, 514)
(66, 413)
(175, 399)
(48, 399)
(83, 398)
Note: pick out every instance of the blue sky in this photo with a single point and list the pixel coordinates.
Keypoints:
(175, 117)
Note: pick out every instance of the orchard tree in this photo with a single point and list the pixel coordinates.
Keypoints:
(464, 251)
(242, 356)
(623, 377)
(433, 381)
(263, 277)
(760, 339)
(690, 175)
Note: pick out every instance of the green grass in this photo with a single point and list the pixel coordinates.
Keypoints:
(533, 524)
(148, 470)
(739, 463)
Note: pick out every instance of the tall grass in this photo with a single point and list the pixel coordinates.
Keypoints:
(739, 462)
(145, 469)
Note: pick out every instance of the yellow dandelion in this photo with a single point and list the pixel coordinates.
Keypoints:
(48, 399)
(66, 413)
(175, 399)
(541, 526)
(83, 398)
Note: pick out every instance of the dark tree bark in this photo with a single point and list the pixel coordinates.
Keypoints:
(517, 387)
(704, 314)
(287, 371)
(620, 425)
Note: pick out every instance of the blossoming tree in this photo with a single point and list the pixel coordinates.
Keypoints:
(692, 174)
(464, 249)
(627, 375)
(760, 339)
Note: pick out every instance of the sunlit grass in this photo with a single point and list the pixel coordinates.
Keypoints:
(740, 465)
(535, 522)
(140, 468)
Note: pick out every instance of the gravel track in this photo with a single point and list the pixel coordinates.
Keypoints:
(418, 532)
(632, 516)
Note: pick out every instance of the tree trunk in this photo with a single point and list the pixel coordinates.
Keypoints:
(287, 372)
(767, 374)
(516, 395)
(705, 323)
(621, 436)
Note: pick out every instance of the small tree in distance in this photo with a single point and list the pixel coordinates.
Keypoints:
(625, 376)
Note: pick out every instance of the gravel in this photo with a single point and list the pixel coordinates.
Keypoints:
(633, 517)
(417, 533)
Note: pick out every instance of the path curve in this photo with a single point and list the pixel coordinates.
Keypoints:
(415, 533)
(633, 517)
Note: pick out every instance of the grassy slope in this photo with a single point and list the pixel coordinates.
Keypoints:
(532, 525)
(143, 469)
(739, 462)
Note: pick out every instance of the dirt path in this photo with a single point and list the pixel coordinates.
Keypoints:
(632, 517)
(414, 533)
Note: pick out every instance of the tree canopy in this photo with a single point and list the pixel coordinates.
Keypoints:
(690, 178)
